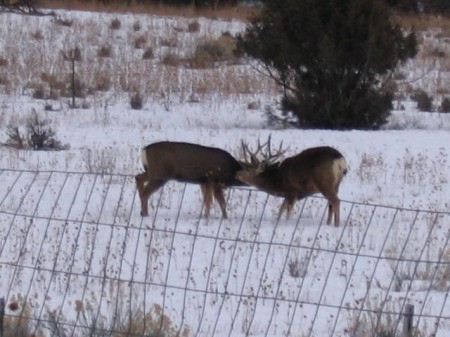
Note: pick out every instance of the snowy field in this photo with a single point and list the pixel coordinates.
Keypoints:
(74, 249)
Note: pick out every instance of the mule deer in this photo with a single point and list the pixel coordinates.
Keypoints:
(214, 169)
(318, 169)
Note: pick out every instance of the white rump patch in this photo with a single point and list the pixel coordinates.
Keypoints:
(144, 158)
(339, 168)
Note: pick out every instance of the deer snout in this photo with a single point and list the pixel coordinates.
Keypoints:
(243, 176)
(239, 174)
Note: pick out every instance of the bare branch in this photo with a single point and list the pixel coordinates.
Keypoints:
(268, 71)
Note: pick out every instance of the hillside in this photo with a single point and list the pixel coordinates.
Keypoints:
(75, 250)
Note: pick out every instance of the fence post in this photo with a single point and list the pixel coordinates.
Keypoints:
(2, 314)
(408, 321)
(73, 79)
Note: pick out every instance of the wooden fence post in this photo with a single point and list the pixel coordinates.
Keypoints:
(408, 321)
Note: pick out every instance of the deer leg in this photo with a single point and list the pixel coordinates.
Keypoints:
(289, 207)
(146, 186)
(330, 213)
(333, 209)
(287, 204)
(141, 180)
(337, 215)
(218, 194)
(207, 197)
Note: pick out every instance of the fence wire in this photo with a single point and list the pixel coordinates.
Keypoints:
(77, 259)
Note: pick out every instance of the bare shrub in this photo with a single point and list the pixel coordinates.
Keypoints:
(37, 35)
(429, 49)
(153, 323)
(39, 92)
(4, 79)
(63, 22)
(148, 54)
(136, 26)
(171, 59)
(100, 160)
(85, 105)
(378, 323)
(54, 83)
(136, 100)
(115, 24)
(296, 268)
(53, 94)
(211, 51)
(445, 105)
(139, 42)
(48, 78)
(105, 51)
(253, 105)
(103, 82)
(442, 277)
(75, 88)
(424, 101)
(40, 136)
(14, 138)
(3, 62)
(371, 167)
(73, 54)
(169, 42)
(438, 52)
(17, 326)
(193, 26)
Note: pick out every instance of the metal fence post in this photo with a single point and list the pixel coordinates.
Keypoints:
(2, 314)
(408, 321)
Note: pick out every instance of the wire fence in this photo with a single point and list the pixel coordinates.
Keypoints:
(77, 259)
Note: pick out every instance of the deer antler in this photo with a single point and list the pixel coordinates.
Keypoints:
(263, 156)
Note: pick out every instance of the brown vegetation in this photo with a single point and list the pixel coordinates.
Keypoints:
(225, 13)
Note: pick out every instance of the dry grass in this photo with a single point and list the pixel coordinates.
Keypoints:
(224, 13)
(193, 26)
(210, 51)
(423, 22)
(140, 41)
(17, 325)
(209, 68)
(3, 62)
(148, 54)
(156, 323)
(433, 35)
(105, 51)
(103, 82)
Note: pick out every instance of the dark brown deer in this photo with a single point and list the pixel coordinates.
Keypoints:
(214, 169)
(314, 170)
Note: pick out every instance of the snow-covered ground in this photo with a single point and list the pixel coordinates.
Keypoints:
(68, 236)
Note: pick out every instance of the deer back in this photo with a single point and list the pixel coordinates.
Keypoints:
(188, 162)
(313, 170)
